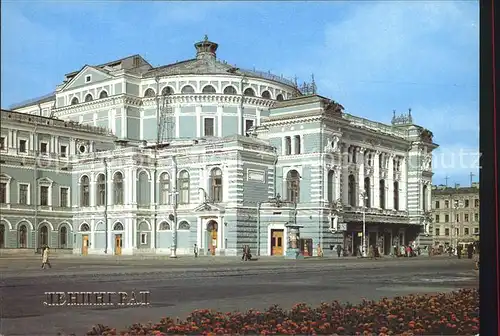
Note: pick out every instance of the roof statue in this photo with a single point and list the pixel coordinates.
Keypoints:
(308, 88)
(402, 119)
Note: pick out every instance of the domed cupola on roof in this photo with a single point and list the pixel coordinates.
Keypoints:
(206, 49)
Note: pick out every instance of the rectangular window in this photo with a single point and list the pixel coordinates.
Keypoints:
(476, 203)
(44, 195)
(437, 232)
(466, 231)
(144, 238)
(2, 143)
(476, 217)
(63, 151)
(22, 146)
(296, 139)
(447, 204)
(437, 219)
(64, 193)
(43, 148)
(457, 217)
(466, 203)
(466, 217)
(446, 218)
(446, 232)
(436, 206)
(23, 194)
(248, 124)
(476, 230)
(209, 126)
(288, 145)
(3, 192)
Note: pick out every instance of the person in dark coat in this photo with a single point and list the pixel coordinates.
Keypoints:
(470, 251)
(339, 250)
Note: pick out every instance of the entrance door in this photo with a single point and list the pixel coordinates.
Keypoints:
(276, 242)
(387, 243)
(2, 236)
(85, 245)
(212, 229)
(118, 244)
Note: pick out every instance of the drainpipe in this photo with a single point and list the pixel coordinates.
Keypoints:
(274, 172)
(174, 195)
(106, 203)
(259, 204)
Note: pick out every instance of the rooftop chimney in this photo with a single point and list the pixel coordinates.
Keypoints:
(206, 49)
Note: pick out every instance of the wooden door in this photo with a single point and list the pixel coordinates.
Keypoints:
(85, 244)
(276, 242)
(118, 244)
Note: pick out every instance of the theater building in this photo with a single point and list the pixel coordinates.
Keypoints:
(136, 159)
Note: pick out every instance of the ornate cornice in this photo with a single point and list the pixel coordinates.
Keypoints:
(212, 98)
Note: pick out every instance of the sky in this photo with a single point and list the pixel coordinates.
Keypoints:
(372, 57)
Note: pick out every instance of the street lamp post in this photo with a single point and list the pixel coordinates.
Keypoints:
(173, 249)
(364, 197)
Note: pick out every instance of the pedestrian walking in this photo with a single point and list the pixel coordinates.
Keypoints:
(195, 250)
(470, 251)
(339, 250)
(459, 251)
(45, 258)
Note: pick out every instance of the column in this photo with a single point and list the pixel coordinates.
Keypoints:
(134, 236)
(32, 142)
(199, 123)
(199, 231)
(130, 231)
(403, 186)
(13, 143)
(72, 146)
(92, 190)
(429, 194)
(283, 146)
(219, 233)
(390, 183)
(219, 121)
(337, 172)
(109, 189)
(110, 236)
(293, 144)
(376, 180)
(360, 152)
(240, 119)
(124, 123)
(134, 186)
(92, 234)
(177, 111)
(56, 145)
(258, 116)
(345, 175)
(223, 233)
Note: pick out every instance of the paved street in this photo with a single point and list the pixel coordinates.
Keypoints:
(180, 286)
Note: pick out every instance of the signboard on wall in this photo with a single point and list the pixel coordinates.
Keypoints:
(342, 226)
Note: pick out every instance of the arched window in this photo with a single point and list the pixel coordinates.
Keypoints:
(396, 195)
(74, 101)
(23, 236)
(368, 192)
(44, 236)
(165, 188)
(167, 90)
(84, 227)
(88, 98)
(351, 194)
(266, 95)
(230, 90)
(63, 237)
(208, 89)
(118, 227)
(164, 226)
(184, 225)
(85, 191)
(382, 194)
(293, 186)
(279, 97)
(183, 183)
(216, 185)
(331, 186)
(249, 92)
(424, 198)
(118, 188)
(187, 89)
(149, 93)
(103, 94)
(101, 190)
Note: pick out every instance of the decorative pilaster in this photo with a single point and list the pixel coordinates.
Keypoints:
(177, 110)
(403, 186)
(376, 180)
(124, 123)
(219, 120)
(360, 152)
(240, 119)
(390, 183)
(345, 174)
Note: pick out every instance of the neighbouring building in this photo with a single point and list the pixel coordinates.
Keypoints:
(455, 215)
(201, 152)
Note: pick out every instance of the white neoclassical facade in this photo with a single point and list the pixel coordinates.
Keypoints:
(142, 159)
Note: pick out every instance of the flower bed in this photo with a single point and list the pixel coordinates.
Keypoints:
(456, 313)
